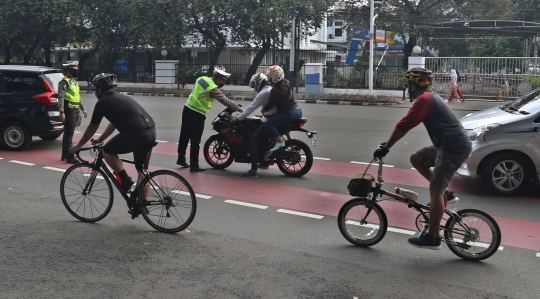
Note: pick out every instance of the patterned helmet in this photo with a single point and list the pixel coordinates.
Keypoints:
(419, 76)
(275, 74)
(257, 81)
(71, 65)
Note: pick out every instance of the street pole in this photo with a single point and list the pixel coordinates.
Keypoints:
(371, 44)
(292, 54)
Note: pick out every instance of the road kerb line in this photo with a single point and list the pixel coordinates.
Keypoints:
(300, 214)
(55, 169)
(22, 163)
(366, 163)
(246, 204)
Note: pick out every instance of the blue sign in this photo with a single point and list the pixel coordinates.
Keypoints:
(360, 33)
(351, 55)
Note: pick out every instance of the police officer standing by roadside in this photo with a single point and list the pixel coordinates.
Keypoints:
(69, 103)
(205, 91)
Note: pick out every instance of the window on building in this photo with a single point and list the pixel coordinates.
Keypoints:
(338, 32)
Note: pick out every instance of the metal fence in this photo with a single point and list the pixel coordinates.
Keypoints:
(487, 76)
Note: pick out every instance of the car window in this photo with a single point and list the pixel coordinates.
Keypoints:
(529, 99)
(19, 82)
(53, 79)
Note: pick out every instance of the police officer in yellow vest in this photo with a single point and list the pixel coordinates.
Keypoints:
(69, 103)
(204, 92)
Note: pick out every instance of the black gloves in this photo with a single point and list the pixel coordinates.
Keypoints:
(381, 151)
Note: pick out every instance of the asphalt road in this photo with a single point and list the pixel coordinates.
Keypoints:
(238, 251)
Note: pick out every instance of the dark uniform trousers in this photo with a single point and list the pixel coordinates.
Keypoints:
(69, 129)
(191, 130)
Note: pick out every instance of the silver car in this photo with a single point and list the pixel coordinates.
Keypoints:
(506, 145)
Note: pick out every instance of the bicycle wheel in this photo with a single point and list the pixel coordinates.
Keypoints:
(481, 243)
(371, 231)
(93, 205)
(172, 201)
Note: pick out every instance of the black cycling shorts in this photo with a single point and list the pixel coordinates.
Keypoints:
(131, 142)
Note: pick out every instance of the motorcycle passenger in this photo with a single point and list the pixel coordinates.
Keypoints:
(281, 96)
(261, 86)
(451, 147)
(204, 92)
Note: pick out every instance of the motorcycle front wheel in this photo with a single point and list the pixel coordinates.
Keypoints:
(295, 158)
(217, 152)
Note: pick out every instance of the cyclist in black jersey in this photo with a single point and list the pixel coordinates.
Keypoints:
(135, 126)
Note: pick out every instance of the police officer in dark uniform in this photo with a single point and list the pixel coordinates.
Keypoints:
(69, 104)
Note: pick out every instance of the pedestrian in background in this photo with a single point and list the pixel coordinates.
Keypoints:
(453, 86)
(458, 90)
(181, 80)
(90, 78)
(69, 105)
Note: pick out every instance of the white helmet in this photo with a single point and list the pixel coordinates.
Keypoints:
(221, 73)
(257, 81)
(275, 74)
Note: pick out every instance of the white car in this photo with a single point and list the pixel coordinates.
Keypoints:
(506, 145)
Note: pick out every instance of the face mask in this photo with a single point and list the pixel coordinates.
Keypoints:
(220, 85)
(75, 73)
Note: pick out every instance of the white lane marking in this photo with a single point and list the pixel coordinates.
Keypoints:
(538, 254)
(55, 169)
(77, 132)
(21, 162)
(247, 204)
(196, 194)
(401, 231)
(413, 168)
(366, 163)
(1, 158)
(162, 141)
(97, 134)
(300, 214)
(98, 176)
(325, 159)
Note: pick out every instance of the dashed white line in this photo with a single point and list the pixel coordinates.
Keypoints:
(77, 132)
(300, 214)
(246, 204)
(1, 158)
(366, 163)
(55, 169)
(21, 162)
(538, 254)
(162, 141)
(196, 194)
(401, 231)
(318, 158)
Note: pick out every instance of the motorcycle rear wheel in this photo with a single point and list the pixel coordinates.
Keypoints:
(295, 158)
(217, 152)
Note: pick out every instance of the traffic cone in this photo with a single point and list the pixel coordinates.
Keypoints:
(499, 96)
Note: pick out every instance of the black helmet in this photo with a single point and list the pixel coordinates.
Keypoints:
(105, 81)
(419, 76)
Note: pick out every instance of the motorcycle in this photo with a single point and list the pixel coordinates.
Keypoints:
(232, 142)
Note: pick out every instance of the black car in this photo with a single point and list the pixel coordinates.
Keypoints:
(28, 105)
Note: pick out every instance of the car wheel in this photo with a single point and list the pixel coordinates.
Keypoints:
(50, 137)
(506, 174)
(15, 136)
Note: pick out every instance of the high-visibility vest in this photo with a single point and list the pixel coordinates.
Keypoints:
(199, 100)
(72, 94)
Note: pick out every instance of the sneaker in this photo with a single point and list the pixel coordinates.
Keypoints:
(449, 198)
(426, 241)
(126, 185)
(249, 174)
(182, 162)
(278, 145)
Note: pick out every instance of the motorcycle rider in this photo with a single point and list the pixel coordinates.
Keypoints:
(259, 83)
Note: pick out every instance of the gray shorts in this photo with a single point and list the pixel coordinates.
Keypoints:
(446, 164)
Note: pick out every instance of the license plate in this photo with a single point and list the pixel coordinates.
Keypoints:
(54, 113)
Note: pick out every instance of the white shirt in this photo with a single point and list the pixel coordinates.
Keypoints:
(260, 100)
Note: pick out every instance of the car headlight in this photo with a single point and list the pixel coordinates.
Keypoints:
(477, 134)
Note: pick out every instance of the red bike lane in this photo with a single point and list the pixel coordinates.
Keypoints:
(515, 232)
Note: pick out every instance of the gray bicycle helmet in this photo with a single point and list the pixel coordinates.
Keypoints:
(105, 81)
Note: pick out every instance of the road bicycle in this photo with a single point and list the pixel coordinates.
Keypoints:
(163, 197)
(470, 234)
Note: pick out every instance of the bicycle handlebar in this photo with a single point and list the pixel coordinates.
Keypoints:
(95, 147)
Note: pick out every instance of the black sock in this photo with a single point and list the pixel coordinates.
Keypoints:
(123, 175)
